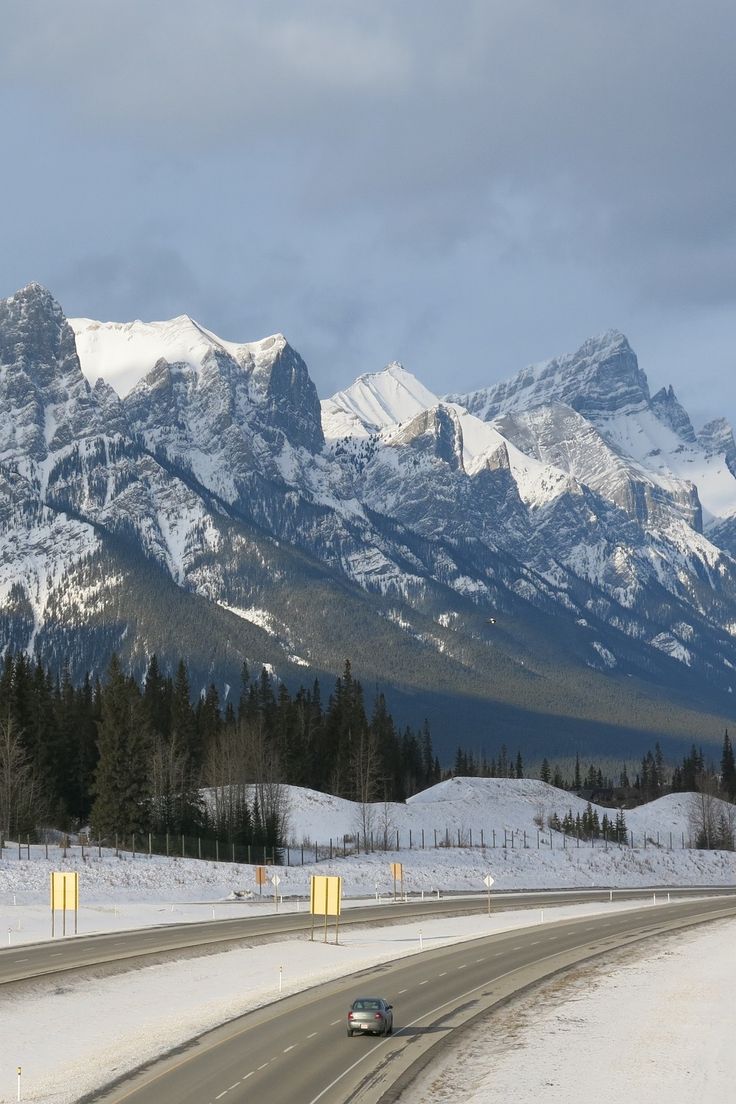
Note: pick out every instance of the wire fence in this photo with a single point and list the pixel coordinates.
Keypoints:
(212, 849)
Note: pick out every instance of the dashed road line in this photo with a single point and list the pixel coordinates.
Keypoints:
(312, 1035)
(289, 1048)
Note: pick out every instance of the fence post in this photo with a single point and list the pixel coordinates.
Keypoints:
(217, 850)
(233, 847)
(494, 839)
(149, 845)
(116, 846)
(422, 839)
(199, 847)
(482, 841)
(167, 845)
(410, 839)
(398, 848)
(182, 845)
(435, 837)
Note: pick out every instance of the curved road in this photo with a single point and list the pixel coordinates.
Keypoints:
(29, 960)
(296, 1051)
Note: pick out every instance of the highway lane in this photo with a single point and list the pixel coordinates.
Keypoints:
(296, 1051)
(28, 960)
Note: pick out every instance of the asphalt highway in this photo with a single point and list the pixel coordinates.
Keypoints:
(85, 951)
(296, 1051)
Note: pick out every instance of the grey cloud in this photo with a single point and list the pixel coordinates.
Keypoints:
(523, 172)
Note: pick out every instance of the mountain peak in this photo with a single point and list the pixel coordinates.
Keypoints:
(600, 379)
(375, 401)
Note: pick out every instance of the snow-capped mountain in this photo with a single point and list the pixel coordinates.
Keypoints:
(557, 546)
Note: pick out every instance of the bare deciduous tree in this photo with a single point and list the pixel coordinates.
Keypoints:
(22, 800)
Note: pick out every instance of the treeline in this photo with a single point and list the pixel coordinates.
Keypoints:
(652, 778)
(126, 757)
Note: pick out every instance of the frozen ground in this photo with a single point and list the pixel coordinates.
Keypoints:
(118, 892)
(646, 1027)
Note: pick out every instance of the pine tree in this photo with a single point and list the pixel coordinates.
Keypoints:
(545, 774)
(122, 775)
(728, 767)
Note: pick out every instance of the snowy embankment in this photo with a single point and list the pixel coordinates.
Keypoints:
(513, 814)
(654, 1024)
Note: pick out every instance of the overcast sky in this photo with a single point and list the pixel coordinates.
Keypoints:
(464, 187)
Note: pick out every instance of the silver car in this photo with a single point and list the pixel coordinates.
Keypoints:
(371, 1016)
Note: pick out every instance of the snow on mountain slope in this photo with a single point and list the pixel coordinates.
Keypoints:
(375, 401)
(122, 353)
(663, 452)
(392, 403)
(603, 384)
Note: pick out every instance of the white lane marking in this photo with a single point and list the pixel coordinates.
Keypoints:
(403, 991)
(263, 1066)
(232, 1087)
(480, 959)
(443, 974)
(312, 1035)
(534, 942)
(424, 982)
(335, 1022)
(463, 967)
(289, 1048)
(498, 954)
(249, 1075)
(57, 955)
(222, 1094)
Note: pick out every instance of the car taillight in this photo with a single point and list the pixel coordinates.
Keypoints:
(378, 1016)
(350, 1015)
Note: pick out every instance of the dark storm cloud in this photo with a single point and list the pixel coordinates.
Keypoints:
(519, 173)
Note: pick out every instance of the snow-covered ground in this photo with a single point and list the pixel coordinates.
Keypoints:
(118, 892)
(648, 1025)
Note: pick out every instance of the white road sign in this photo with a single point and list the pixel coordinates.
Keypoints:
(488, 881)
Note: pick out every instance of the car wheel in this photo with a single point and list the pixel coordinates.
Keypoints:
(350, 1034)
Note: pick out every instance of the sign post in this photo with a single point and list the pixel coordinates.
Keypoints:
(261, 878)
(397, 870)
(276, 882)
(325, 899)
(64, 895)
(488, 882)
